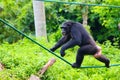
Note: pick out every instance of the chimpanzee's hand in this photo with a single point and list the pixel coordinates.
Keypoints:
(62, 53)
(52, 49)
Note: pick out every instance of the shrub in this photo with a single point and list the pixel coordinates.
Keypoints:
(24, 58)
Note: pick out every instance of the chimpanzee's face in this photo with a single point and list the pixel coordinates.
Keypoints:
(66, 27)
(64, 31)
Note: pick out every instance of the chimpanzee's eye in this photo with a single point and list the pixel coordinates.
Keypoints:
(63, 28)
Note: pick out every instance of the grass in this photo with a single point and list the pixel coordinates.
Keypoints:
(24, 58)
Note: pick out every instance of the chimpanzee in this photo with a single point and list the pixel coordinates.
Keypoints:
(75, 34)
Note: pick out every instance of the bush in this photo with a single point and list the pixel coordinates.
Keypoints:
(20, 15)
(24, 58)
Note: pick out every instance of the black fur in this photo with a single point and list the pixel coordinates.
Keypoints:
(75, 34)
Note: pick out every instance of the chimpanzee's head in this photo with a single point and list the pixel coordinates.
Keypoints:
(66, 27)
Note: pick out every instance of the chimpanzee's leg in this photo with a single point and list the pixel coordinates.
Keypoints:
(87, 49)
(79, 59)
(98, 55)
(104, 60)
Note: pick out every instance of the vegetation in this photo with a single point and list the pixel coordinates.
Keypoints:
(103, 25)
(20, 14)
(21, 60)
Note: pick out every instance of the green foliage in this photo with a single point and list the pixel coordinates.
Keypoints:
(104, 25)
(55, 36)
(109, 19)
(21, 60)
(59, 13)
(20, 14)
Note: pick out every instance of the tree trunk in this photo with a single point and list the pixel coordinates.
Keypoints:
(39, 18)
(42, 71)
(85, 15)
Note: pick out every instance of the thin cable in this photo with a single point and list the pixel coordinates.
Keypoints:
(112, 65)
(33, 41)
(79, 3)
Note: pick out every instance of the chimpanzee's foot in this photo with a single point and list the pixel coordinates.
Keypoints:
(107, 64)
(75, 65)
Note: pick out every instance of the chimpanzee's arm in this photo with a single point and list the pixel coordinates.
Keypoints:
(76, 40)
(63, 40)
(69, 44)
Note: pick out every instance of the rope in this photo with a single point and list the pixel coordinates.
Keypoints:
(48, 49)
(112, 65)
(33, 40)
(79, 3)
